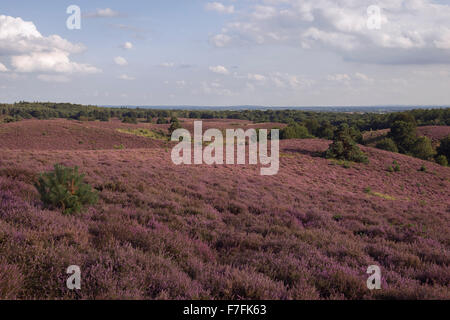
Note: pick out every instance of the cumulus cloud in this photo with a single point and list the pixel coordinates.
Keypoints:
(219, 69)
(219, 7)
(411, 31)
(256, 77)
(340, 77)
(286, 80)
(103, 13)
(220, 40)
(120, 61)
(347, 78)
(215, 88)
(3, 68)
(53, 61)
(29, 51)
(127, 45)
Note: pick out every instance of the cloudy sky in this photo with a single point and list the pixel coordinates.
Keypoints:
(229, 52)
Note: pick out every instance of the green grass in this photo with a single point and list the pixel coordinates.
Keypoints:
(140, 132)
(369, 191)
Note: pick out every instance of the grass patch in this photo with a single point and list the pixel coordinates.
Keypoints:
(369, 191)
(140, 132)
(344, 163)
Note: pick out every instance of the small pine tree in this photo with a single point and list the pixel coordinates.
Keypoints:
(174, 125)
(404, 135)
(442, 160)
(64, 188)
(345, 148)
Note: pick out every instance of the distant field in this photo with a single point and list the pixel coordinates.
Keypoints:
(162, 231)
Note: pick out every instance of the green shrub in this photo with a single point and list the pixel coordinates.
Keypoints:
(394, 168)
(345, 148)
(404, 135)
(423, 148)
(132, 120)
(162, 121)
(119, 147)
(423, 168)
(295, 131)
(444, 148)
(387, 144)
(174, 125)
(442, 160)
(9, 119)
(64, 188)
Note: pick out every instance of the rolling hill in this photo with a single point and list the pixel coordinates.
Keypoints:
(162, 231)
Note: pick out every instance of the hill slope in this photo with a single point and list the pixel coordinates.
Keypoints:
(224, 232)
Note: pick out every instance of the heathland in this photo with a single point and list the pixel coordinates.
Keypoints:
(161, 231)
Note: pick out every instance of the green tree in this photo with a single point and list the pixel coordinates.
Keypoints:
(313, 126)
(174, 125)
(345, 148)
(326, 131)
(294, 131)
(387, 144)
(444, 148)
(404, 135)
(423, 149)
(161, 120)
(65, 188)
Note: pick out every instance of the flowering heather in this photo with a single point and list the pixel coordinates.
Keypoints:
(161, 231)
(435, 133)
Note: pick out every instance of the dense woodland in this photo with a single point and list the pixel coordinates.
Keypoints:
(362, 121)
(301, 124)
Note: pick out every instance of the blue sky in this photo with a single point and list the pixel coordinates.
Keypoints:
(215, 53)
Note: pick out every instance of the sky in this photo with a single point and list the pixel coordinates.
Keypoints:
(224, 53)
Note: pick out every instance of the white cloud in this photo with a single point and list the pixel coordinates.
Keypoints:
(220, 70)
(120, 61)
(30, 51)
(53, 61)
(363, 77)
(340, 77)
(286, 80)
(126, 77)
(3, 68)
(127, 45)
(256, 77)
(412, 31)
(219, 7)
(103, 13)
(347, 78)
(220, 40)
(214, 89)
